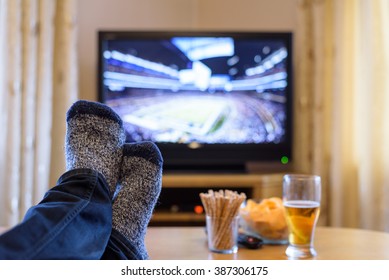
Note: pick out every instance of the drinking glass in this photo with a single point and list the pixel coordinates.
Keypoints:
(301, 197)
(222, 234)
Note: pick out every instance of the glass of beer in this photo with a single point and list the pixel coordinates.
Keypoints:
(301, 197)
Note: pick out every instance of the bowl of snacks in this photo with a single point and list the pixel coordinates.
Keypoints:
(265, 219)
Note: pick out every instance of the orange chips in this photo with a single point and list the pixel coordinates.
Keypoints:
(267, 218)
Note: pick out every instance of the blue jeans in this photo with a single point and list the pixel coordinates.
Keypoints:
(73, 221)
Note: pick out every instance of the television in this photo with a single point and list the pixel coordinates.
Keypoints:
(210, 100)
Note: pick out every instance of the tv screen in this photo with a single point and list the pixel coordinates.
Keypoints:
(207, 99)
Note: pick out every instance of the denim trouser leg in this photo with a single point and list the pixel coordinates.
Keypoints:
(73, 221)
(120, 248)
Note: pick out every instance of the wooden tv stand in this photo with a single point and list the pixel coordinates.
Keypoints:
(261, 185)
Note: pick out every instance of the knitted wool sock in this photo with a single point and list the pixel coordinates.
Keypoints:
(94, 139)
(141, 180)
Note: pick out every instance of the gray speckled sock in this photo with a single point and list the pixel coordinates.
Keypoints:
(141, 180)
(94, 139)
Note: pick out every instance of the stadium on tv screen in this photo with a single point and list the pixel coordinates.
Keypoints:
(190, 89)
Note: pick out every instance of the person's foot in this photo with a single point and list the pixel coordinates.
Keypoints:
(94, 140)
(140, 181)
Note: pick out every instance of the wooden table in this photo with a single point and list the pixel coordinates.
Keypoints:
(185, 243)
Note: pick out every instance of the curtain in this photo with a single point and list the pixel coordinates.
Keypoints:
(342, 88)
(38, 80)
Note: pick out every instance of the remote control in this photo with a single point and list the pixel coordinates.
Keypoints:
(249, 241)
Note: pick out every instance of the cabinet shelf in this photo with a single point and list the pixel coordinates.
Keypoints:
(260, 186)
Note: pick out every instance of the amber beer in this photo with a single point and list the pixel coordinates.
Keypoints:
(301, 216)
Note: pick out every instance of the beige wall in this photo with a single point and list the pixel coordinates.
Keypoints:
(247, 14)
(235, 15)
